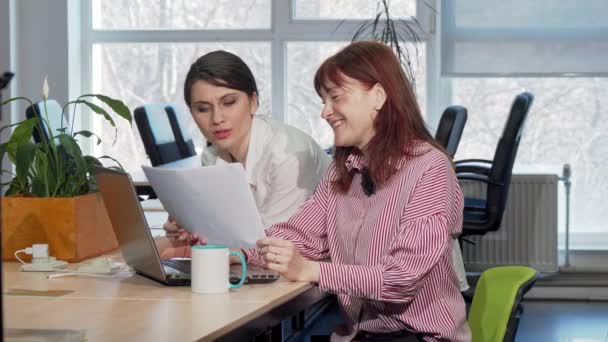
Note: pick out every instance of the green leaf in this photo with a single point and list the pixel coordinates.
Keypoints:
(24, 159)
(44, 179)
(39, 188)
(95, 108)
(116, 161)
(117, 106)
(92, 161)
(87, 134)
(69, 145)
(15, 188)
(21, 135)
(9, 126)
(75, 158)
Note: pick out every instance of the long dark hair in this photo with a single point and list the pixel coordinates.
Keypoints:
(398, 123)
(221, 68)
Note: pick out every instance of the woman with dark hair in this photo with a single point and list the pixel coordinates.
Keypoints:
(283, 165)
(385, 214)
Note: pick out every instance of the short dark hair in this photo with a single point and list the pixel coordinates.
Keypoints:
(220, 68)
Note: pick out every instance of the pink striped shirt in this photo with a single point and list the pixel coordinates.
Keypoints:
(391, 253)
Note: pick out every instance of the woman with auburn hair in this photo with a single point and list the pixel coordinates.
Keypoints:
(385, 214)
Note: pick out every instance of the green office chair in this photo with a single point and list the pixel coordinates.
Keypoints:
(494, 314)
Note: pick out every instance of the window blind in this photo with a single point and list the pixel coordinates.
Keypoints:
(524, 37)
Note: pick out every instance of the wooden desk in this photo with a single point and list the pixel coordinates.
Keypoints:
(133, 308)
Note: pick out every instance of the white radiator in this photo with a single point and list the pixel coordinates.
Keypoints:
(528, 233)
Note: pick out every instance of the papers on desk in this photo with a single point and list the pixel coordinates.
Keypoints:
(212, 201)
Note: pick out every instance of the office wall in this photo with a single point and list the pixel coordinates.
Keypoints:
(41, 49)
(33, 43)
(5, 65)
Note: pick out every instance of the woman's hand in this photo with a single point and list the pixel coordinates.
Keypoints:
(282, 256)
(175, 233)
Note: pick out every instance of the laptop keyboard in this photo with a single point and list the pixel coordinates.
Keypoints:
(180, 265)
(254, 275)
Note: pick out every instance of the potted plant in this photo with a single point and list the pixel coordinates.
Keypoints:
(52, 196)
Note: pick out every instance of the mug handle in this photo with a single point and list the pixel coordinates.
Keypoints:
(243, 273)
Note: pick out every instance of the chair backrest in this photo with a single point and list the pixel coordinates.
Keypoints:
(449, 130)
(498, 293)
(177, 118)
(161, 134)
(504, 157)
(52, 113)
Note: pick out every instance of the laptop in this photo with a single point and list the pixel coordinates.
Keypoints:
(135, 238)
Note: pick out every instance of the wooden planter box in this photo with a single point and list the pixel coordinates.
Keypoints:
(75, 228)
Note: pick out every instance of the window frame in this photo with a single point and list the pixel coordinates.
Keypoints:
(284, 28)
(445, 80)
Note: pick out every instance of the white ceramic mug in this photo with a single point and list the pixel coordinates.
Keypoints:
(210, 269)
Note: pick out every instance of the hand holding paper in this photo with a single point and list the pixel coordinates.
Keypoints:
(212, 201)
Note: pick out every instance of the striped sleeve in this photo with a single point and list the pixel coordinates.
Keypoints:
(424, 238)
(307, 229)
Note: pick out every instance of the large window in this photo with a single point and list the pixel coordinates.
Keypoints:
(492, 50)
(140, 51)
(567, 124)
(180, 15)
(483, 54)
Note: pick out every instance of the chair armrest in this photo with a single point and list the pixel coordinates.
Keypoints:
(476, 177)
(476, 169)
(473, 161)
(473, 177)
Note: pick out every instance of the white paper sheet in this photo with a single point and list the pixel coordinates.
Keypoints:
(212, 201)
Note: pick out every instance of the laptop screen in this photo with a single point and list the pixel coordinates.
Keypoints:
(129, 222)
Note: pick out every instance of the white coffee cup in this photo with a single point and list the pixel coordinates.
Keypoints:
(210, 269)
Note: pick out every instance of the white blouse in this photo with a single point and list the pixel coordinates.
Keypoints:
(284, 166)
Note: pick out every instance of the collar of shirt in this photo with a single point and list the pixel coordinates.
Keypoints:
(261, 133)
(356, 161)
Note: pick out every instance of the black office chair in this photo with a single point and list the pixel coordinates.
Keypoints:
(52, 113)
(182, 138)
(449, 130)
(161, 134)
(483, 215)
(164, 139)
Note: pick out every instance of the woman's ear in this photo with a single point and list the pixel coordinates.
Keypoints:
(379, 96)
(253, 102)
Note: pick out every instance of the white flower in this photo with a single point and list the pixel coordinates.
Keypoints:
(45, 88)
